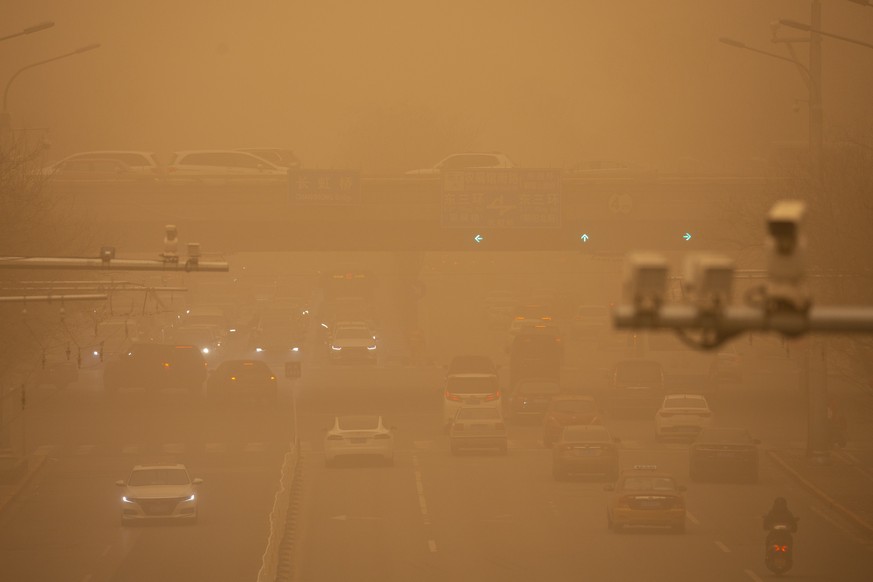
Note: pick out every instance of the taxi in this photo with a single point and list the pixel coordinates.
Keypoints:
(645, 496)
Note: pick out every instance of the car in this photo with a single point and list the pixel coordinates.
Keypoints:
(277, 339)
(222, 166)
(155, 366)
(530, 397)
(592, 169)
(682, 415)
(469, 389)
(242, 378)
(478, 427)
(537, 352)
(363, 435)
(586, 448)
(645, 496)
(466, 161)
(159, 493)
(352, 343)
(727, 366)
(636, 388)
(589, 321)
(520, 326)
(471, 364)
(538, 312)
(565, 410)
(724, 452)
(110, 165)
(204, 337)
(282, 157)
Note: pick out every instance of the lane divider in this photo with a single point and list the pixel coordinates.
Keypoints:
(828, 500)
(722, 547)
(753, 576)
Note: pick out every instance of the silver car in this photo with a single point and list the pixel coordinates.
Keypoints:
(159, 493)
(478, 427)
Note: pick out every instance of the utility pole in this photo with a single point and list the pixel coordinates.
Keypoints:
(816, 116)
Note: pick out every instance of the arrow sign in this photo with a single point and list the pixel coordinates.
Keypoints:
(584, 238)
(686, 236)
(478, 238)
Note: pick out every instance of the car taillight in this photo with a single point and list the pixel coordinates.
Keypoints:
(382, 436)
(233, 377)
(493, 396)
(334, 437)
(166, 364)
(452, 396)
(273, 378)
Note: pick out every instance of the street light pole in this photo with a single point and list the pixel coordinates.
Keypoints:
(29, 30)
(4, 116)
(816, 115)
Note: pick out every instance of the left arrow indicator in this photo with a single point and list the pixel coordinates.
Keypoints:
(478, 238)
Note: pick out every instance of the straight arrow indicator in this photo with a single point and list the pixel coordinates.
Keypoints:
(584, 238)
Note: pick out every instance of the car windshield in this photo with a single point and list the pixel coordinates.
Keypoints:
(648, 484)
(644, 372)
(470, 161)
(586, 434)
(684, 403)
(483, 413)
(144, 477)
(353, 333)
(358, 422)
(573, 406)
(129, 159)
(472, 384)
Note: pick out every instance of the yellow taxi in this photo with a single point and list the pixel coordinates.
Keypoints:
(645, 496)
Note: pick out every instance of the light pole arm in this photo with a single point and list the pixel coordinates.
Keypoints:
(742, 45)
(29, 30)
(32, 65)
(800, 26)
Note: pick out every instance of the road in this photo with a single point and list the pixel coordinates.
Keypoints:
(434, 516)
(66, 524)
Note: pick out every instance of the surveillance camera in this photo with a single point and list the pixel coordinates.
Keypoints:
(786, 264)
(783, 224)
(645, 281)
(709, 279)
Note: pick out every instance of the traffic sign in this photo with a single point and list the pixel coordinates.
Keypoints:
(501, 198)
(325, 187)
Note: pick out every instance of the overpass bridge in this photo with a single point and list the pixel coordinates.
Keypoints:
(390, 213)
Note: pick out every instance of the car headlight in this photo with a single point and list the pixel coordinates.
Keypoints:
(259, 350)
(205, 350)
(335, 348)
(295, 349)
(371, 348)
(126, 500)
(191, 498)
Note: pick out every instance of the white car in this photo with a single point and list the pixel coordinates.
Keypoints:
(364, 435)
(222, 166)
(682, 415)
(281, 157)
(467, 161)
(108, 164)
(159, 492)
(353, 344)
(478, 427)
(469, 389)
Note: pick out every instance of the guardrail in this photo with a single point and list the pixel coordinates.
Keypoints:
(278, 516)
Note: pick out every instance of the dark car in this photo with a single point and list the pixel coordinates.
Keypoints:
(530, 397)
(243, 379)
(635, 388)
(565, 410)
(471, 364)
(157, 366)
(586, 449)
(536, 354)
(724, 452)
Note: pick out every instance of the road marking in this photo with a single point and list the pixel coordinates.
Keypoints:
(691, 518)
(432, 545)
(419, 486)
(131, 449)
(842, 527)
(173, 448)
(722, 547)
(84, 449)
(255, 447)
(854, 462)
(753, 576)
(215, 447)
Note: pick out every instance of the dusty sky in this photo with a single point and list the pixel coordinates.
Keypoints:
(394, 84)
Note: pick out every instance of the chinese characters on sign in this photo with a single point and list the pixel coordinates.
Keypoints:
(325, 186)
(501, 198)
